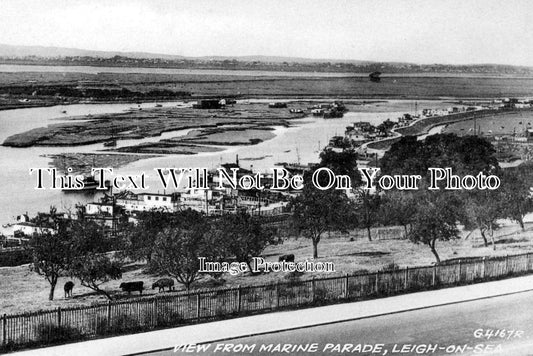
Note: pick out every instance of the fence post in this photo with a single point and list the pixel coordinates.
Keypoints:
(4, 329)
(346, 295)
(406, 278)
(483, 268)
(239, 298)
(434, 276)
(506, 265)
(459, 279)
(313, 287)
(377, 282)
(108, 321)
(155, 311)
(198, 306)
(59, 317)
(277, 295)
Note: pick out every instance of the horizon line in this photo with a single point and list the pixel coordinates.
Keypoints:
(294, 59)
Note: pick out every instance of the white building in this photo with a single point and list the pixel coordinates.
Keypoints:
(28, 229)
(99, 208)
(147, 201)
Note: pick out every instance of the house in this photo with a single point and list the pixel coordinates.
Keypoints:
(364, 126)
(196, 199)
(99, 208)
(28, 229)
(131, 202)
(509, 103)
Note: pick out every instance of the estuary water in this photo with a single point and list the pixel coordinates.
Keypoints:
(300, 142)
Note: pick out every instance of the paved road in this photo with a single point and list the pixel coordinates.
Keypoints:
(450, 328)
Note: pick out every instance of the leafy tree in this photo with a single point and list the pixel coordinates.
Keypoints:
(516, 195)
(241, 236)
(95, 269)
(398, 208)
(47, 220)
(316, 211)
(465, 155)
(341, 163)
(404, 157)
(176, 253)
(52, 251)
(178, 246)
(91, 264)
(140, 239)
(52, 255)
(481, 209)
(367, 210)
(435, 219)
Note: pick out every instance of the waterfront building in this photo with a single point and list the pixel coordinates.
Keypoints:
(96, 208)
(131, 202)
(28, 229)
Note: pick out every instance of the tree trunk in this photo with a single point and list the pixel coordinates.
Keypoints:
(315, 249)
(491, 233)
(368, 233)
(434, 251)
(97, 290)
(405, 229)
(52, 289)
(521, 223)
(484, 237)
(435, 254)
(108, 296)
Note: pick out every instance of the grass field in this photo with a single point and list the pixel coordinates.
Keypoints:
(23, 290)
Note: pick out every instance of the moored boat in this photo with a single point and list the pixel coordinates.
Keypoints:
(88, 184)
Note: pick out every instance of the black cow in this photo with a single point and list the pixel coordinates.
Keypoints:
(286, 258)
(132, 287)
(68, 289)
(162, 283)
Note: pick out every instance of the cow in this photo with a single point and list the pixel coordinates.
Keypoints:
(286, 258)
(162, 283)
(68, 289)
(132, 287)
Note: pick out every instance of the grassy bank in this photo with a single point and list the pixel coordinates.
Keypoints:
(23, 290)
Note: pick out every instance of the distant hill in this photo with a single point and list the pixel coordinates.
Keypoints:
(39, 55)
(58, 52)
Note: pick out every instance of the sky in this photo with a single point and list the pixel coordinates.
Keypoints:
(429, 31)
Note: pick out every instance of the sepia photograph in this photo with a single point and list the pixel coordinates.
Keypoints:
(245, 177)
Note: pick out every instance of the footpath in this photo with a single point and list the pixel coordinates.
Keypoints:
(285, 320)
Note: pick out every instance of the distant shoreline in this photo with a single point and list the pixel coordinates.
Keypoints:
(263, 72)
